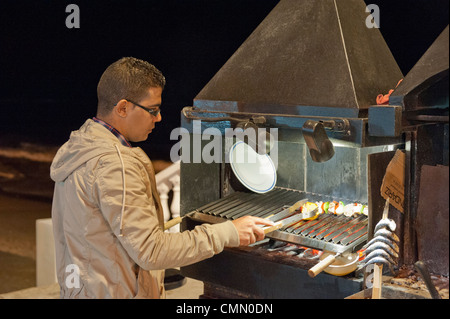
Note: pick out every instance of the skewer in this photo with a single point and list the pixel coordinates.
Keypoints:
(378, 268)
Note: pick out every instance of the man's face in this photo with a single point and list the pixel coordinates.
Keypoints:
(140, 123)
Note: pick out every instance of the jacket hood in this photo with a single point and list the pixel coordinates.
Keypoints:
(90, 141)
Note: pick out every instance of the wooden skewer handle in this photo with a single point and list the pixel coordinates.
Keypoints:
(377, 281)
(172, 222)
(317, 269)
(270, 229)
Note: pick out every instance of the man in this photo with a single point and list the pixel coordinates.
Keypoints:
(107, 216)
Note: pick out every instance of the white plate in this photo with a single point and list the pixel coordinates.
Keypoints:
(256, 172)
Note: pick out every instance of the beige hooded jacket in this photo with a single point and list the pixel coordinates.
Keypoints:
(108, 221)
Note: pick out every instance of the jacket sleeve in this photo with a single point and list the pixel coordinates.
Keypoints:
(142, 237)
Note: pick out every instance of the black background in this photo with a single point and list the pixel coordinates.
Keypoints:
(49, 73)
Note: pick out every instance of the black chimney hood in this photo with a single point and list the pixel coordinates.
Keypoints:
(424, 85)
(309, 58)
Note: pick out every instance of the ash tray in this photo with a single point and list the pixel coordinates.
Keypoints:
(343, 265)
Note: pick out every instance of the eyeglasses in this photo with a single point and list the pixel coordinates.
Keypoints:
(153, 112)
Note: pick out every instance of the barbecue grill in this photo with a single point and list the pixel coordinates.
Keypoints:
(310, 71)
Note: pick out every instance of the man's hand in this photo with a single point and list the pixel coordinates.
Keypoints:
(248, 229)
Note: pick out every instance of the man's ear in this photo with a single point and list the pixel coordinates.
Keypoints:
(121, 108)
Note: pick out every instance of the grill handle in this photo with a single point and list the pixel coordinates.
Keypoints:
(320, 147)
(187, 112)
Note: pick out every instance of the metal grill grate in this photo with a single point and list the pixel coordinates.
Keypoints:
(337, 233)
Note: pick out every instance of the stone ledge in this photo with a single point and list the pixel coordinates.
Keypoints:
(43, 292)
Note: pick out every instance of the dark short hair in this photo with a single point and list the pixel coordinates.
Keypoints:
(127, 78)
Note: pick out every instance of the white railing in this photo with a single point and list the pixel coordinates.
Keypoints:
(45, 253)
(169, 180)
(166, 181)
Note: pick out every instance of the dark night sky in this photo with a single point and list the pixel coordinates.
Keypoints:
(49, 73)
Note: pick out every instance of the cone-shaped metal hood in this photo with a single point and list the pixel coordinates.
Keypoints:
(307, 57)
